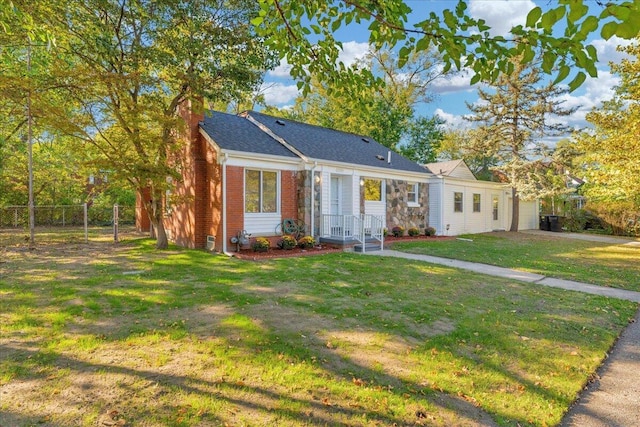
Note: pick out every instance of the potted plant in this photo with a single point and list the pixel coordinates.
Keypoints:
(260, 245)
(306, 242)
(287, 242)
(397, 231)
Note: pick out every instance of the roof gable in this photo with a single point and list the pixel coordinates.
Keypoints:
(453, 168)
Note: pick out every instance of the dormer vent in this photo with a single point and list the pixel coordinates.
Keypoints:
(280, 122)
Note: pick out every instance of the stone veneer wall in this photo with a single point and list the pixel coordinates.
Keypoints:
(304, 198)
(398, 211)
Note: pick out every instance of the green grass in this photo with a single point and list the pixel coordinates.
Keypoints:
(340, 339)
(597, 263)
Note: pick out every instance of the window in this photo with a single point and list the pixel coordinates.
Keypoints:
(457, 202)
(373, 190)
(495, 208)
(476, 202)
(260, 191)
(412, 193)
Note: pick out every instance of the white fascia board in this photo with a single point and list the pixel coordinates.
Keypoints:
(370, 171)
(472, 183)
(265, 161)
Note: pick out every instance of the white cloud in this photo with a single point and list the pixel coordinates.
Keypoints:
(458, 82)
(592, 94)
(501, 16)
(453, 121)
(279, 93)
(607, 49)
(352, 51)
(281, 71)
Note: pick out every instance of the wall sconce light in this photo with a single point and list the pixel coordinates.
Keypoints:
(361, 182)
(318, 179)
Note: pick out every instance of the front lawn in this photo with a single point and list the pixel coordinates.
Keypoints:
(97, 334)
(597, 263)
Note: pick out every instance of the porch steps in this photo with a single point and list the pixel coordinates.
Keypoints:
(368, 247)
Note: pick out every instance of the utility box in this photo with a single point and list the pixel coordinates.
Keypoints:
(211, 243)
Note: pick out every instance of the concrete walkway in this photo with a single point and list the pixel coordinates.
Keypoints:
(523, 276)
(613, 400)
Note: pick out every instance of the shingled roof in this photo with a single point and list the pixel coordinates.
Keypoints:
(235, 133)
(240, 133)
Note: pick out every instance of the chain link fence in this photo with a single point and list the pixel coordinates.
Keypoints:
(63, 223)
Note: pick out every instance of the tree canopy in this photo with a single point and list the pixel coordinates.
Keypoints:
(304, 33)
(610, 152)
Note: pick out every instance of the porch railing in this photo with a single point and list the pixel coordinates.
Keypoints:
(358, 228)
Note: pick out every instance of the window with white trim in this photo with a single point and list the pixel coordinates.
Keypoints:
(412, 194)
(260, 191)
(476, 202)
(457, 202)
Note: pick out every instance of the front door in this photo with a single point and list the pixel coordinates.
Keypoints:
(336, 195)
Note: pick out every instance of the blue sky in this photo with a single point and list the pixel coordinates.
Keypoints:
(452, 92)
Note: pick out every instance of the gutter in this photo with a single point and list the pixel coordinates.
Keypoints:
(224, 205)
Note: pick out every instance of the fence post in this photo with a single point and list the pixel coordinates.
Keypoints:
(116, 215)
(86, 224)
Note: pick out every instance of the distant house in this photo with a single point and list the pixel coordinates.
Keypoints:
(461, 204)
(250, 172)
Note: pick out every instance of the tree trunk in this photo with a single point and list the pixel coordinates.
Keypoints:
(515, 209)
(154, 210)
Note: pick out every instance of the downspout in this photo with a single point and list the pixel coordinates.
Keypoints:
(443, 229)
(224, 205)
(313, 198)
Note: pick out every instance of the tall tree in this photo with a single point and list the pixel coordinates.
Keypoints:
(133, 64)
(513, 119)
(423, 138)
(610, 158)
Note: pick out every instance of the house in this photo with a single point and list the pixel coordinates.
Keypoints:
(461, 204)
(243, 175)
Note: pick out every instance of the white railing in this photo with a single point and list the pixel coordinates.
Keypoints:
(357, 228)
(338, 226)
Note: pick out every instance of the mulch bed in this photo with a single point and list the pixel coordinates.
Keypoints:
(249, 254)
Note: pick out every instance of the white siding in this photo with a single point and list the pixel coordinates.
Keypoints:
(435, 207)
(441, 207)
(261, 224)
(528, 219)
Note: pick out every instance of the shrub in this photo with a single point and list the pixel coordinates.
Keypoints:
(397, 231)
(413, 232)
(260, 245)
(306, 242)
(429, 231)
(287, 242)
(385, 232)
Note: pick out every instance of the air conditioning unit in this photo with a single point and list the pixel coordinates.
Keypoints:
(211, 243)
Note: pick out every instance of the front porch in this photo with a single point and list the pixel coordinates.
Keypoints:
(361, 232)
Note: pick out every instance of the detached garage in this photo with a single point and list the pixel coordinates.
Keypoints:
(461, 204)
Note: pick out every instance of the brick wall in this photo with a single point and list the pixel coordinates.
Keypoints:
(235, 201)
(289, 195)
